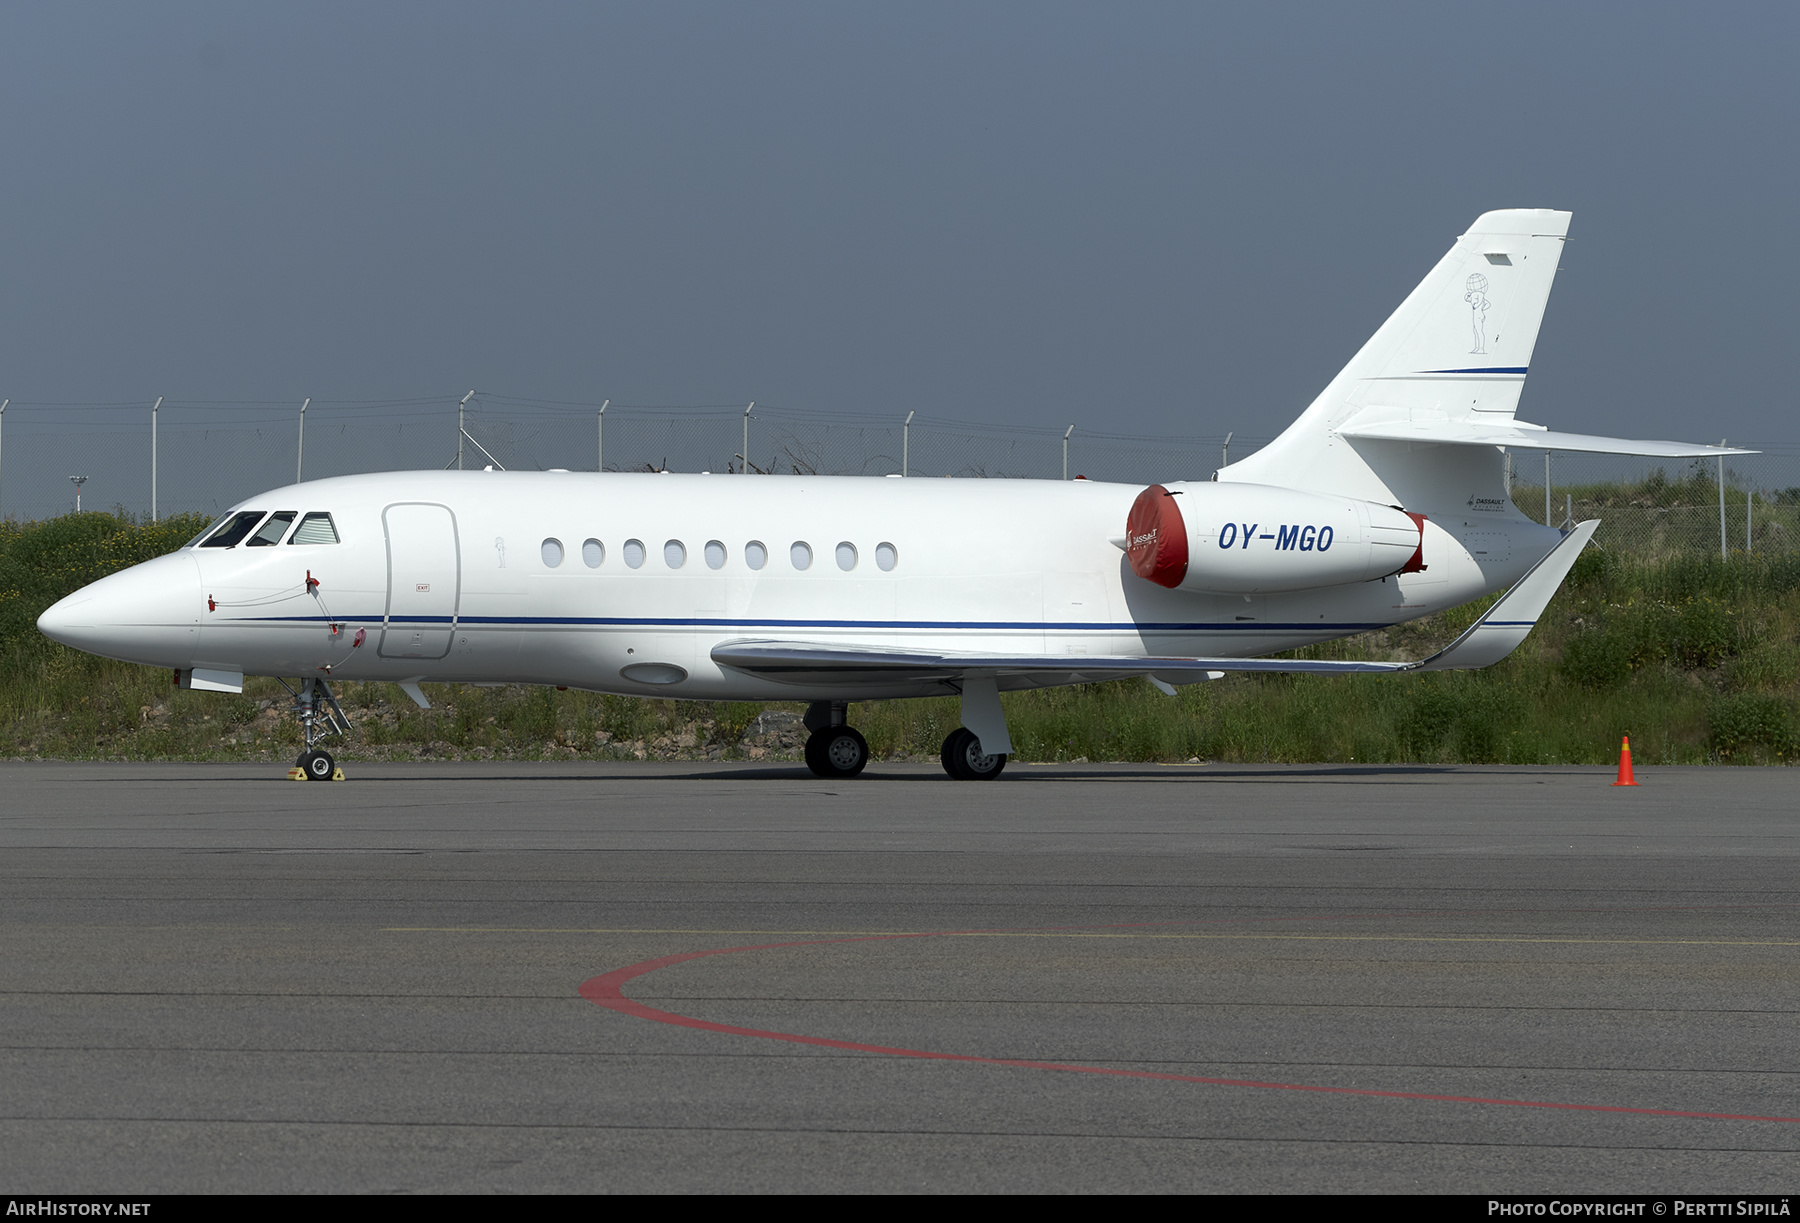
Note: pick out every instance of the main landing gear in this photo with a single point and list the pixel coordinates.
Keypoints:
(834, 749)
(320, 716)
(965, 761)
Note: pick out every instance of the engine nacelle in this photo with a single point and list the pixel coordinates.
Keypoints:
(1256, 539)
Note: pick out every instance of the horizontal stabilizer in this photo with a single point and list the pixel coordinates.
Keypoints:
(1521, 436)
(817, 665)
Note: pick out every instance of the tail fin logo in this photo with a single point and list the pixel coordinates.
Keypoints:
(1475, 294)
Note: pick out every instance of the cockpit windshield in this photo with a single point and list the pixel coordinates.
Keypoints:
(234, 530)
(210, 528)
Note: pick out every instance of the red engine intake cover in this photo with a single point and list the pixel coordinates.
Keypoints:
(1156, 538)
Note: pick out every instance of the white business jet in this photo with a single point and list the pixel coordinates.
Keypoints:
(1385, 501)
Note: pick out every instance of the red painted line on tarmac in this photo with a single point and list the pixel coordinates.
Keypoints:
(608, 990)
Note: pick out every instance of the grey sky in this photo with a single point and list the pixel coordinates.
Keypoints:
(1150, 218)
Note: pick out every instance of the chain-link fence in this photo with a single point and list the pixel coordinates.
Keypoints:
(1655, 508)
(196, 456)
(206, 456)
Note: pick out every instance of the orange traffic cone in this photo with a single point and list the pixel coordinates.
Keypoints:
(1625, 765)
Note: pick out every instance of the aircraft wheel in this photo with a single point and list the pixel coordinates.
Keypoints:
(965, 761)
(318, 766)
(836, 751)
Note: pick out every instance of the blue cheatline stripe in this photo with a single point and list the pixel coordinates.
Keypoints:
(1510, 624)
(1485, 369)
(699, 622)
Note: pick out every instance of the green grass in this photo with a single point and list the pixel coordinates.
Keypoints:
(1697, 659)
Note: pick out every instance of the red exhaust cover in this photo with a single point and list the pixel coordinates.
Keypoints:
(1416, 563)
(1156, 539)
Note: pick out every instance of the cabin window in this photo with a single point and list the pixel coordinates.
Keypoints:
(886, 557)
(273, 530)
(634, 553)
(234, 530)
(552, 552)
(800, 553)
(674, 554)
(314, 529)
(756, 555)
(715, 554)
(593, 554)
(846, 556)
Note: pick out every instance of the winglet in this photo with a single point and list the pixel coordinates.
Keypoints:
(1512, 617)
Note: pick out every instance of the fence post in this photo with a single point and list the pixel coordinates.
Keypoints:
(1225, 450)
(461, 432)
(153, 410)
(1749, 504)
(746, 455)
(906, 442)
(2, 431)
(600, 437)
(1546, 488)
(1066, 452)
(300, 450)
(1721, 503)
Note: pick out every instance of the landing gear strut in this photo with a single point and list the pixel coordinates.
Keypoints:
(965, 761)
(320, 716)
(834, 750)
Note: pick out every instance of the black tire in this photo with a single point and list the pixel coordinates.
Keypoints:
(836, 752)
(964, 760)
(318, 766)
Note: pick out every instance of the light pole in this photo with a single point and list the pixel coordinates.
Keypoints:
(78, 481)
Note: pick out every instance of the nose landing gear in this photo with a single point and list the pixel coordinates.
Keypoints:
(320, 715)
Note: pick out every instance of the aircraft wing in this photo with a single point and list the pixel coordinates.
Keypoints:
(817, 664)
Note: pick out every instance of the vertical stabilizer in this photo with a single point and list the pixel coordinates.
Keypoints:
(1458, 348)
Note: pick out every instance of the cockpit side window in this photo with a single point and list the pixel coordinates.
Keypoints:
(315, 529)
(234, 530)
(272, 530)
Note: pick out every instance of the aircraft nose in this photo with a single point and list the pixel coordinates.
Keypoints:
(64, 620)
(149, 614)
